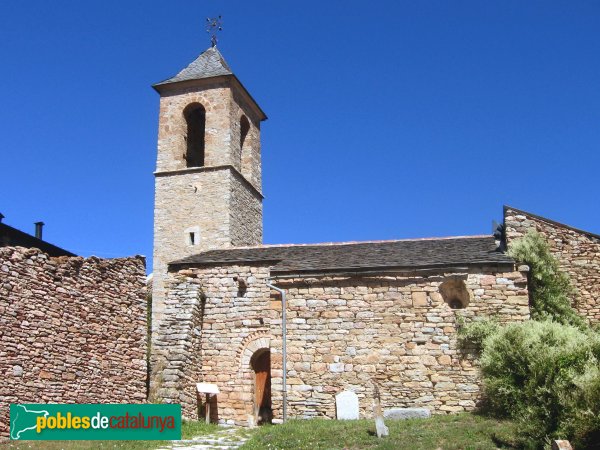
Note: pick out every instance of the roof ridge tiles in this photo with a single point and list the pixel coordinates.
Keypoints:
(382, 241)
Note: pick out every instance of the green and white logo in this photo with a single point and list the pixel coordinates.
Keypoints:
(95, 422)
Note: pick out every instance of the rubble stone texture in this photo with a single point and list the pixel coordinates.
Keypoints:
(72, 330)
(344, 333)
(577, 251)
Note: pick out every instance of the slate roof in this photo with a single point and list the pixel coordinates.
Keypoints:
(360, 256)
(209, 64)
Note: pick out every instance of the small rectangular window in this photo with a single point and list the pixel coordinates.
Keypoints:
(191, 236)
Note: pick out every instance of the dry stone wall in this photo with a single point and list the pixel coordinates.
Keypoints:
(577, 251)
(72, 330)
(344, 333)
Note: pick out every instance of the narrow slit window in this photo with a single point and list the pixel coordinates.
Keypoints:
(192, 236)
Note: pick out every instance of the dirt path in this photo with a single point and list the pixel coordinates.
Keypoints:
(228, 438)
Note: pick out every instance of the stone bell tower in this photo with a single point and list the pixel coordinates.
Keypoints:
(208, 170)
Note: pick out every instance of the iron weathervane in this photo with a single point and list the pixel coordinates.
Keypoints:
(213, 25)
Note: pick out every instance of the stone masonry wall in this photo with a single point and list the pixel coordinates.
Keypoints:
(245, 210)
(250, 153)
(224, 107)
(208, 322)
(216, 98)
(72, 330)
(184, 202)
(394, 329)
(218, 203)
(577, 251)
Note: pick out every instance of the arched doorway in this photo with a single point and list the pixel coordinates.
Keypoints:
(261, 364)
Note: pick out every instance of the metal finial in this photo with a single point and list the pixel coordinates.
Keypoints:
(213, 25)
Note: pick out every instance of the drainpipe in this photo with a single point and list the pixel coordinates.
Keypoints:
(284, 347)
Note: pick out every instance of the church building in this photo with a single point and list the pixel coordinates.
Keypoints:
(358, 316)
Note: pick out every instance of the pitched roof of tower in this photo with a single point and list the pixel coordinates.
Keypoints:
(209, 64)
(360, 256)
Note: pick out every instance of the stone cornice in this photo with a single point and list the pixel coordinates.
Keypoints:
(234, 171)
(229, 80)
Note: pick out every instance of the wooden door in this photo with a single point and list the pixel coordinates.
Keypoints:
(262, 387)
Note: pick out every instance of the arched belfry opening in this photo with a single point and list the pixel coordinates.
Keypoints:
(244, 129)
(261, 365)
(195, 118)
(245, 146)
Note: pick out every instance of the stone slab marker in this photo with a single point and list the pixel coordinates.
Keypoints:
(346, 405)
(406, 413)
(380, 427)
(561, 445)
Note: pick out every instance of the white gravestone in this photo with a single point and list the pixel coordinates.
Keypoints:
(346, 405)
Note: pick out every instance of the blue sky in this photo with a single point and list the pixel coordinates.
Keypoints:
(387, 119)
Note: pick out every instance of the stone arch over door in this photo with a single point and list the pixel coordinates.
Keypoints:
(252, 343)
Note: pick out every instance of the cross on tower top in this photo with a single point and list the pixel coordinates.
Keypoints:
(213, 25)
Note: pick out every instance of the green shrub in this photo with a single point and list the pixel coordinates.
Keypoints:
(545, 376)
(471, 336)
(544, 373)
(550, 289)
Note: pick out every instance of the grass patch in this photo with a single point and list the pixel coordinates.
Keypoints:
(452, 432)
(193, 428)
(458, 432)
(189, 429)
(82, 445)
